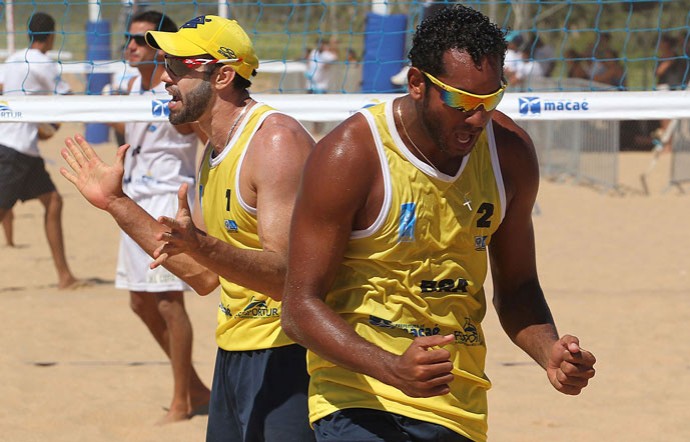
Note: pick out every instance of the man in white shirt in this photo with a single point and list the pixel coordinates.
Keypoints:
(23, 175)
(320, 67)
(161, 158)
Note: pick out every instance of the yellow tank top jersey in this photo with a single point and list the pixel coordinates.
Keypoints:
(418, 270)
(247, 320)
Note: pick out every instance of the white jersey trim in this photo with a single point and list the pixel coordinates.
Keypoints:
(387, 188)
(428, 169)
(251, 210)
(495, 162)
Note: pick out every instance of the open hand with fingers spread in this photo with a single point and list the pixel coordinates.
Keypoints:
(181, 235)
(98, 182)
(570, 367)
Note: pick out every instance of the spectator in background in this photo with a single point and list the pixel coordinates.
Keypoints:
(320, 66)
(575, 67)
(513, 54)
(352, 56)
(670, 75)
(161, 158)
(670, 68)
(320, 72)
(607, 68)
(543, 54)
(523, 70)
(23, 175)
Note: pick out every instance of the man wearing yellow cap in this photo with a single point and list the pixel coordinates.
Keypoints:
(247, 185)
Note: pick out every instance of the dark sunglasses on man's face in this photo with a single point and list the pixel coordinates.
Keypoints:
(181, 66)
(139, 39)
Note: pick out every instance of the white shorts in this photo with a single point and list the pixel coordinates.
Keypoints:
(133, 272)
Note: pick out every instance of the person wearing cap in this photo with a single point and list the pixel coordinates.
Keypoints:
(161, 158)
(248, 179)
(399, 209)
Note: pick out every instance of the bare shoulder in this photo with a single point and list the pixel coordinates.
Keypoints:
(349, 148)
(510, 136)
(283, 131)
(517, 155)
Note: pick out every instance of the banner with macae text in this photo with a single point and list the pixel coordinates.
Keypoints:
(337, 107)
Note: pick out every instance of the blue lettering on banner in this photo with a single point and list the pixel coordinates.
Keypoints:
(159, 108)
(537, 106)
(407, 222)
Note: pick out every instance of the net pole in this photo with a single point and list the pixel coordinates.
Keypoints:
(223, 8)
(97, 50)
(94, 10)
(379, 7)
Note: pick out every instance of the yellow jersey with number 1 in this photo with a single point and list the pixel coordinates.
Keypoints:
(418, 270)
(247, 320)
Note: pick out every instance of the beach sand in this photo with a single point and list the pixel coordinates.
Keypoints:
(80, 366)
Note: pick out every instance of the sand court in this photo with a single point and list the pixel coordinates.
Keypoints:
(80, 366)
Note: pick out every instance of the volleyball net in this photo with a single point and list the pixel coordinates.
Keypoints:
(594, 87)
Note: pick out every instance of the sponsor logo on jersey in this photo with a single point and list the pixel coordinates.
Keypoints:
(230, 225)
(444, 285)
(406, 224)
(7, 112)
(159, 108)
(537, 106)
(226, 311)
(413, 329)
(480, 243)
(258, 309)
(467, 335)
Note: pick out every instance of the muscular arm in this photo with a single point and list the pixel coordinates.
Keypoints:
(334, 197)
(101, 185)
(518, 297)
(270, 176)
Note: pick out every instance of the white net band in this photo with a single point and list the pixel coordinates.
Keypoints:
(333, 108)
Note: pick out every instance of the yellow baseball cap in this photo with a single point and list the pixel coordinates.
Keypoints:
(209, 34)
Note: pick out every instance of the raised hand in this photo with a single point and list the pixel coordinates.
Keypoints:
(98, 182)
(181, 234)
(570, 367)
(424, 370)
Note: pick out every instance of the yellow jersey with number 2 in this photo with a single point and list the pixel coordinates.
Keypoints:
(418, 270)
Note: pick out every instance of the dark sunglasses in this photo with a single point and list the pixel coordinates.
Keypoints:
(181, 66)
(139, 39)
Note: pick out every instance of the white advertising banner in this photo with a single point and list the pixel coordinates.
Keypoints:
(337, 107)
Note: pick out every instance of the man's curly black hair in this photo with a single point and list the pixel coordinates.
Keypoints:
(455, 27)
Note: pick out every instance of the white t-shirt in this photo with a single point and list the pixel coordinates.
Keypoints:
(512, 60)
(28, 72)
(160, 158)
(319, 69)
